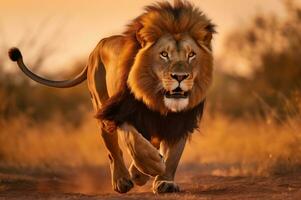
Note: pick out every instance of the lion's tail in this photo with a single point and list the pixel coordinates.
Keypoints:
(16, 56)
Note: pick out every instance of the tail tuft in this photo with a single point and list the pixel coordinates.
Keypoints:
(14, 54)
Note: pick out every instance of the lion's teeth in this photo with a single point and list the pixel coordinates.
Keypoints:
(182, 92)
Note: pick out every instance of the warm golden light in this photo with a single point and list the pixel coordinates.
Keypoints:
(247, 145)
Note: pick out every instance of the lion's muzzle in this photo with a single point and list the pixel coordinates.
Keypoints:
(177, 84)
(178, 92)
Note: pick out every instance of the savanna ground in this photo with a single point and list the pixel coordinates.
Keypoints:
(248, 146)
(226, 160)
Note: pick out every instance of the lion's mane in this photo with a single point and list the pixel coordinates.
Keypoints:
(138, 103)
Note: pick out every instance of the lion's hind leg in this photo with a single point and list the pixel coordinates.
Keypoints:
(121, 180)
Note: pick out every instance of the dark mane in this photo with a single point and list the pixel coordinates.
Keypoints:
(123, 107)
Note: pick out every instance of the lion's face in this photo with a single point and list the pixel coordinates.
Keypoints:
(172, 74)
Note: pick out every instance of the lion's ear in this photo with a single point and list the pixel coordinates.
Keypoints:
(205, 40)
(140, 39)
(210, 30)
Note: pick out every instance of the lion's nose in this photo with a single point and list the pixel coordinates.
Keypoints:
(179, 77)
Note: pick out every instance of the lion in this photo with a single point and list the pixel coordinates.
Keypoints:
(148, 86)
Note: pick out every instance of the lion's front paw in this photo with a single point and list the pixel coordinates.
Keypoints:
(121, 180)
(123, 185)
(165, 187)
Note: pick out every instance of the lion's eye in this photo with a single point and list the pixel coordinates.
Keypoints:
(164, 54)
(191, 54)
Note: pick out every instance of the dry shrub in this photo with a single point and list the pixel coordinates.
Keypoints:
(261, 63)
(247, 147)
(53, 144)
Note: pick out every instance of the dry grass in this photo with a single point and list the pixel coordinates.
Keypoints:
(249, 147)
(53, 144)
(226, 147)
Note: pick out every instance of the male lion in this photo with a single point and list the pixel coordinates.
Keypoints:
(149, 84)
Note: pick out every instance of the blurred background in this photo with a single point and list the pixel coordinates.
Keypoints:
(252, 124)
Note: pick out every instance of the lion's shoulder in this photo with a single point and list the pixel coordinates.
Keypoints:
(113, 57)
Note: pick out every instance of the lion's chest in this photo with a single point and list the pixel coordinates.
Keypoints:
(170, 127)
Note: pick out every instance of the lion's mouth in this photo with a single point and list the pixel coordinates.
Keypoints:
(177, 93)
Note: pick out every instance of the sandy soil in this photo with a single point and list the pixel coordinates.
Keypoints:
(94, 183)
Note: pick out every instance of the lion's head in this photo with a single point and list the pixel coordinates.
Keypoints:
(173, 69)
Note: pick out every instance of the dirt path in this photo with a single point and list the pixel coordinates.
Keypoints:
(94, 184)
